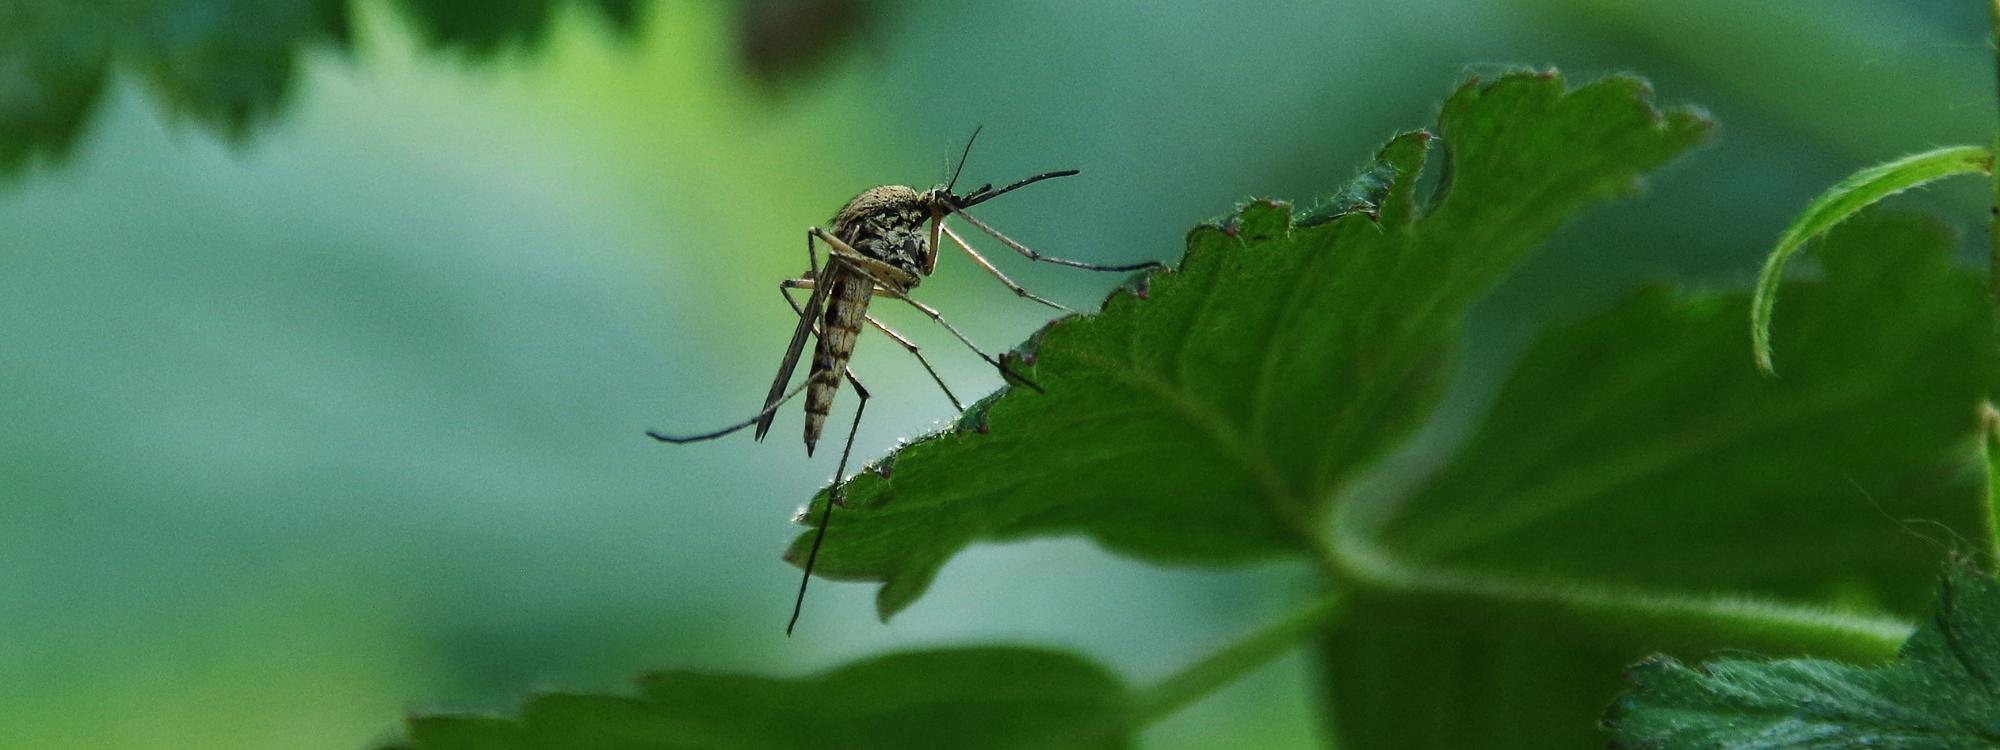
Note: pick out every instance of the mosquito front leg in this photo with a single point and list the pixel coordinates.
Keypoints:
(983, 263)
(932, 313)
(785, 287)
(834, 498)
(890, 281)
(911, 347)
(1032, 255)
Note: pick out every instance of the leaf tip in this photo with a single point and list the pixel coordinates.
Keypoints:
(899, 591)
(1763, 357)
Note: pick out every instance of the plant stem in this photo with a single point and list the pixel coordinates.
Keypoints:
(1203, 677)
(1667, 620)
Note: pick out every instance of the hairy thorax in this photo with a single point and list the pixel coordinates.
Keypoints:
(889, 223)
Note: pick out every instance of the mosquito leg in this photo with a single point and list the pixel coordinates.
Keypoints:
(1032, 255)
(914, 352)
(883, 273)
(932, 313)
(833, 498)
(983, 263)
(768, 409)
(891, 281)
(786, 287)
(812, 253)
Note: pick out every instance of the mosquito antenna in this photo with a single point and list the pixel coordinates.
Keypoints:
(985, 194)
(961, 157)
(768, 409)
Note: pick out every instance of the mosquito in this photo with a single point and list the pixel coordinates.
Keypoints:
(883, 243)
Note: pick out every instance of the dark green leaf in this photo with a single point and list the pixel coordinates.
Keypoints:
(966, 698)
(1638, 486)
(1943, 695)
(1214, 419)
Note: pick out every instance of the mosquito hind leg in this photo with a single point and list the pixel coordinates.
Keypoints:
(834, 498)
(932, 313)
(785, 287)
(891, 281)
(911, 347)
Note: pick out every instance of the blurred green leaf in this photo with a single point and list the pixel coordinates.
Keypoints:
(1638, 455)
(964, 698)
(1214, 420)
(1941, 696)
(780, 38)
(1639, 447)
(227, 64)
(485, 28)
(1846, 198)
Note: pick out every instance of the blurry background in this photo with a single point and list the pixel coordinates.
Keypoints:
(328, 333)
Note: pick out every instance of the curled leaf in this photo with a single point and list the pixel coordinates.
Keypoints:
(1844, 199)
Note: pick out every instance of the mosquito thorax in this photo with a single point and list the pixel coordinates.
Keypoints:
(890, 223)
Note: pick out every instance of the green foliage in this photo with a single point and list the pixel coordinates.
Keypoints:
(226, 65)
(1214, 420)
(1016, 698)
(1940, 696)
(1638, 487)
(1641, 476)
(1843, 200)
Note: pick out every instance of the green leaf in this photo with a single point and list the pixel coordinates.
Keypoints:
(1638, 486)
(1843, 200)
(1214, 419)
(226, 65)
(964, 698)
(1943, 695)
(1989, 443)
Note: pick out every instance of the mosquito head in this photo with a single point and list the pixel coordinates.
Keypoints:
(937, 200)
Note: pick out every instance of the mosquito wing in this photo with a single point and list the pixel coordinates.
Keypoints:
(794, 349)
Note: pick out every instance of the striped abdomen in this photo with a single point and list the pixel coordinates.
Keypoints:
(846, 312)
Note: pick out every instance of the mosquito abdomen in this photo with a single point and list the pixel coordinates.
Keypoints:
(846, 312)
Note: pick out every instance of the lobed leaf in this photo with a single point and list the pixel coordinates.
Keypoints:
(1943, 695)
(1213, 419)
(983, 698)
(1637, 486)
